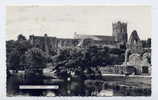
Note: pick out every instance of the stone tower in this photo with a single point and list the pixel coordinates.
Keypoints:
(120, 32)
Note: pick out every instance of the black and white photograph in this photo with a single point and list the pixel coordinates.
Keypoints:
(78, 50)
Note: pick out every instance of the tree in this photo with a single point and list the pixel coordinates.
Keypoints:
(21, 38)
(88, 59)
(15, 52)
(83, 63)
(10, 53)
(36, 59)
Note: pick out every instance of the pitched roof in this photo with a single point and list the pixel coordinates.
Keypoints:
(106, 38)
(95, 37)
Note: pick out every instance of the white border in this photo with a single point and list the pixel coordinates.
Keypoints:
(72, 2)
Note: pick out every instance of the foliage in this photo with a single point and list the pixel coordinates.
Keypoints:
(15, 52)
(77, 64)
(35, 58)
(85, 62)
(82, 64)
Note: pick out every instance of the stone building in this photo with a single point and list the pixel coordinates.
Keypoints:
(137, 57)
(48, 44)
(98, 40)
(134, 43)
(118, 39)
(140, 63)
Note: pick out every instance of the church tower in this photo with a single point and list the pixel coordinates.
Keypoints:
(120, 32)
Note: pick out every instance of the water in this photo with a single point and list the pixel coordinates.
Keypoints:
(14, 81)
(110, 88)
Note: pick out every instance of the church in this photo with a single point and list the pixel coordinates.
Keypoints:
(137, 52)
(137, 55)
(117, 40)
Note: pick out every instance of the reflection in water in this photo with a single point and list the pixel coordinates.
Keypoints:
(14, 81)
(108, 92)
(67, 88)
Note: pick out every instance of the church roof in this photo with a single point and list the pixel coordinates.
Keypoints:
(106, 38)
(95, 37)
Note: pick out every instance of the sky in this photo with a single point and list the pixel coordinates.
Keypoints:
(64, 20)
